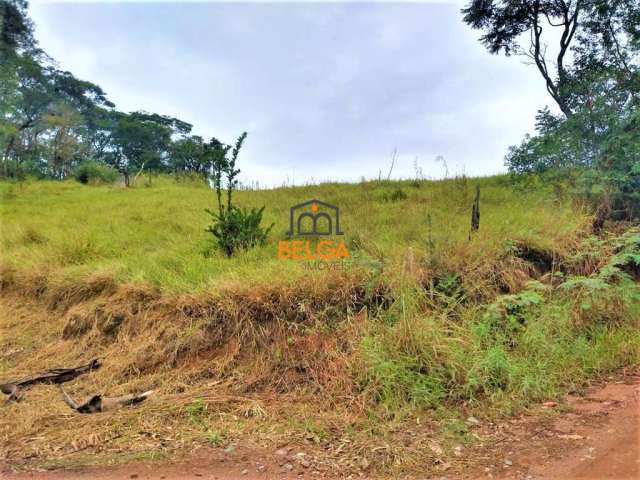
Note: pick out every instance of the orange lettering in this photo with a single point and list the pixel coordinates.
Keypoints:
(325, 254)
(296, 247)
(283, 250)
(341, 250)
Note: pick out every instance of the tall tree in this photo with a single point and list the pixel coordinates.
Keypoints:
(38, 90)
(50, 120)
(142, 140)
(16, 29)
(62, 125)
(563, 39)
(594, 77)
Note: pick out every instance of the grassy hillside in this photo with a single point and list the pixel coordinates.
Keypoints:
(423, 327)
(157, 235)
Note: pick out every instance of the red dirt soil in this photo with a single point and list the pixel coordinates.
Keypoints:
(601, 439)
(595, 437)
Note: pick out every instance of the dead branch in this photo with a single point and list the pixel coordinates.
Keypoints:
(394, 156)
(98, 403)
(52, 376)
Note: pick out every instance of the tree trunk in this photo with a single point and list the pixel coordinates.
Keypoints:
(7, 151)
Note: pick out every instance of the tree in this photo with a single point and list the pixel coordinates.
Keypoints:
(594, 78)
(191, 154)
(37, 92)
(50, 120)
(62, 124)
(595, 151)
(97, 127)
(589, 35)
(16, 29)
(142, 140)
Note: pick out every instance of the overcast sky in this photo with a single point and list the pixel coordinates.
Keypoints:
(325, 91)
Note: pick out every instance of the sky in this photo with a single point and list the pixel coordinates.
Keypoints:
(326, 91)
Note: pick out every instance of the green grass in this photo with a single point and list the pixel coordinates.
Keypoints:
(157, 235)
(444, 343)
(519, 349)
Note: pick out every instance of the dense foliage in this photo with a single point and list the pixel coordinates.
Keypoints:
(597, 150)
(51, 121)
(593, 77)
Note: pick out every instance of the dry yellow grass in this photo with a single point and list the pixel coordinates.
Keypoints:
(345, 362)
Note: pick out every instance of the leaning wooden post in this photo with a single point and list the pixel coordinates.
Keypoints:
(475, 213)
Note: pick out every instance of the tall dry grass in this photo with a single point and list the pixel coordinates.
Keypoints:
(424, 324)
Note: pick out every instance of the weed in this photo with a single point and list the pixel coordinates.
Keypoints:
(239, 229)
(395, 196)
(234, 228)
(314, 431)
(33, 237)
(519, 348)
(197, 412)
(456, 428)
(214, 438)
(506, 317)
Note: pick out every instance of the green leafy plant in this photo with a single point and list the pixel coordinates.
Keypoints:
(238, 229)
(197, 411)
(91, 172)
(506, 317)
(234, 228)
(215, 438)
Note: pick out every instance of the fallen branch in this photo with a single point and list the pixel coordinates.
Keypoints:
(52, 376)
(98, 403)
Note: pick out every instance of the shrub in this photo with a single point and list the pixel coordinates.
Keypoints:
(594, 152)
(238, 229)
(506, 318)
(90, 172)
(234, 228)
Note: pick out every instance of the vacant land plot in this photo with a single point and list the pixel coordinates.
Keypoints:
(375, 367)
(157, 235)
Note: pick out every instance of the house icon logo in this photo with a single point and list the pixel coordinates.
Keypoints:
(314, 218)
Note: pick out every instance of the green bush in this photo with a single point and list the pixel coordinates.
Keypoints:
(90, 172)
(521, 348)
(594, 153)
(233, 228)
(238, 229)
(506, 318)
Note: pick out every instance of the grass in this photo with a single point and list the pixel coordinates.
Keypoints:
(157, 235)
(424, 327)
(435, 362)
(520, 348)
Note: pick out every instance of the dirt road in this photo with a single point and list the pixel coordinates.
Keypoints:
(595, 437)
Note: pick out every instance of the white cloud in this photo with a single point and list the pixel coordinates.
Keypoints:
(319, 88)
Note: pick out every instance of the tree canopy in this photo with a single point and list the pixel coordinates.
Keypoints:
(567, 40)
(592, 72)
(51, 121)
